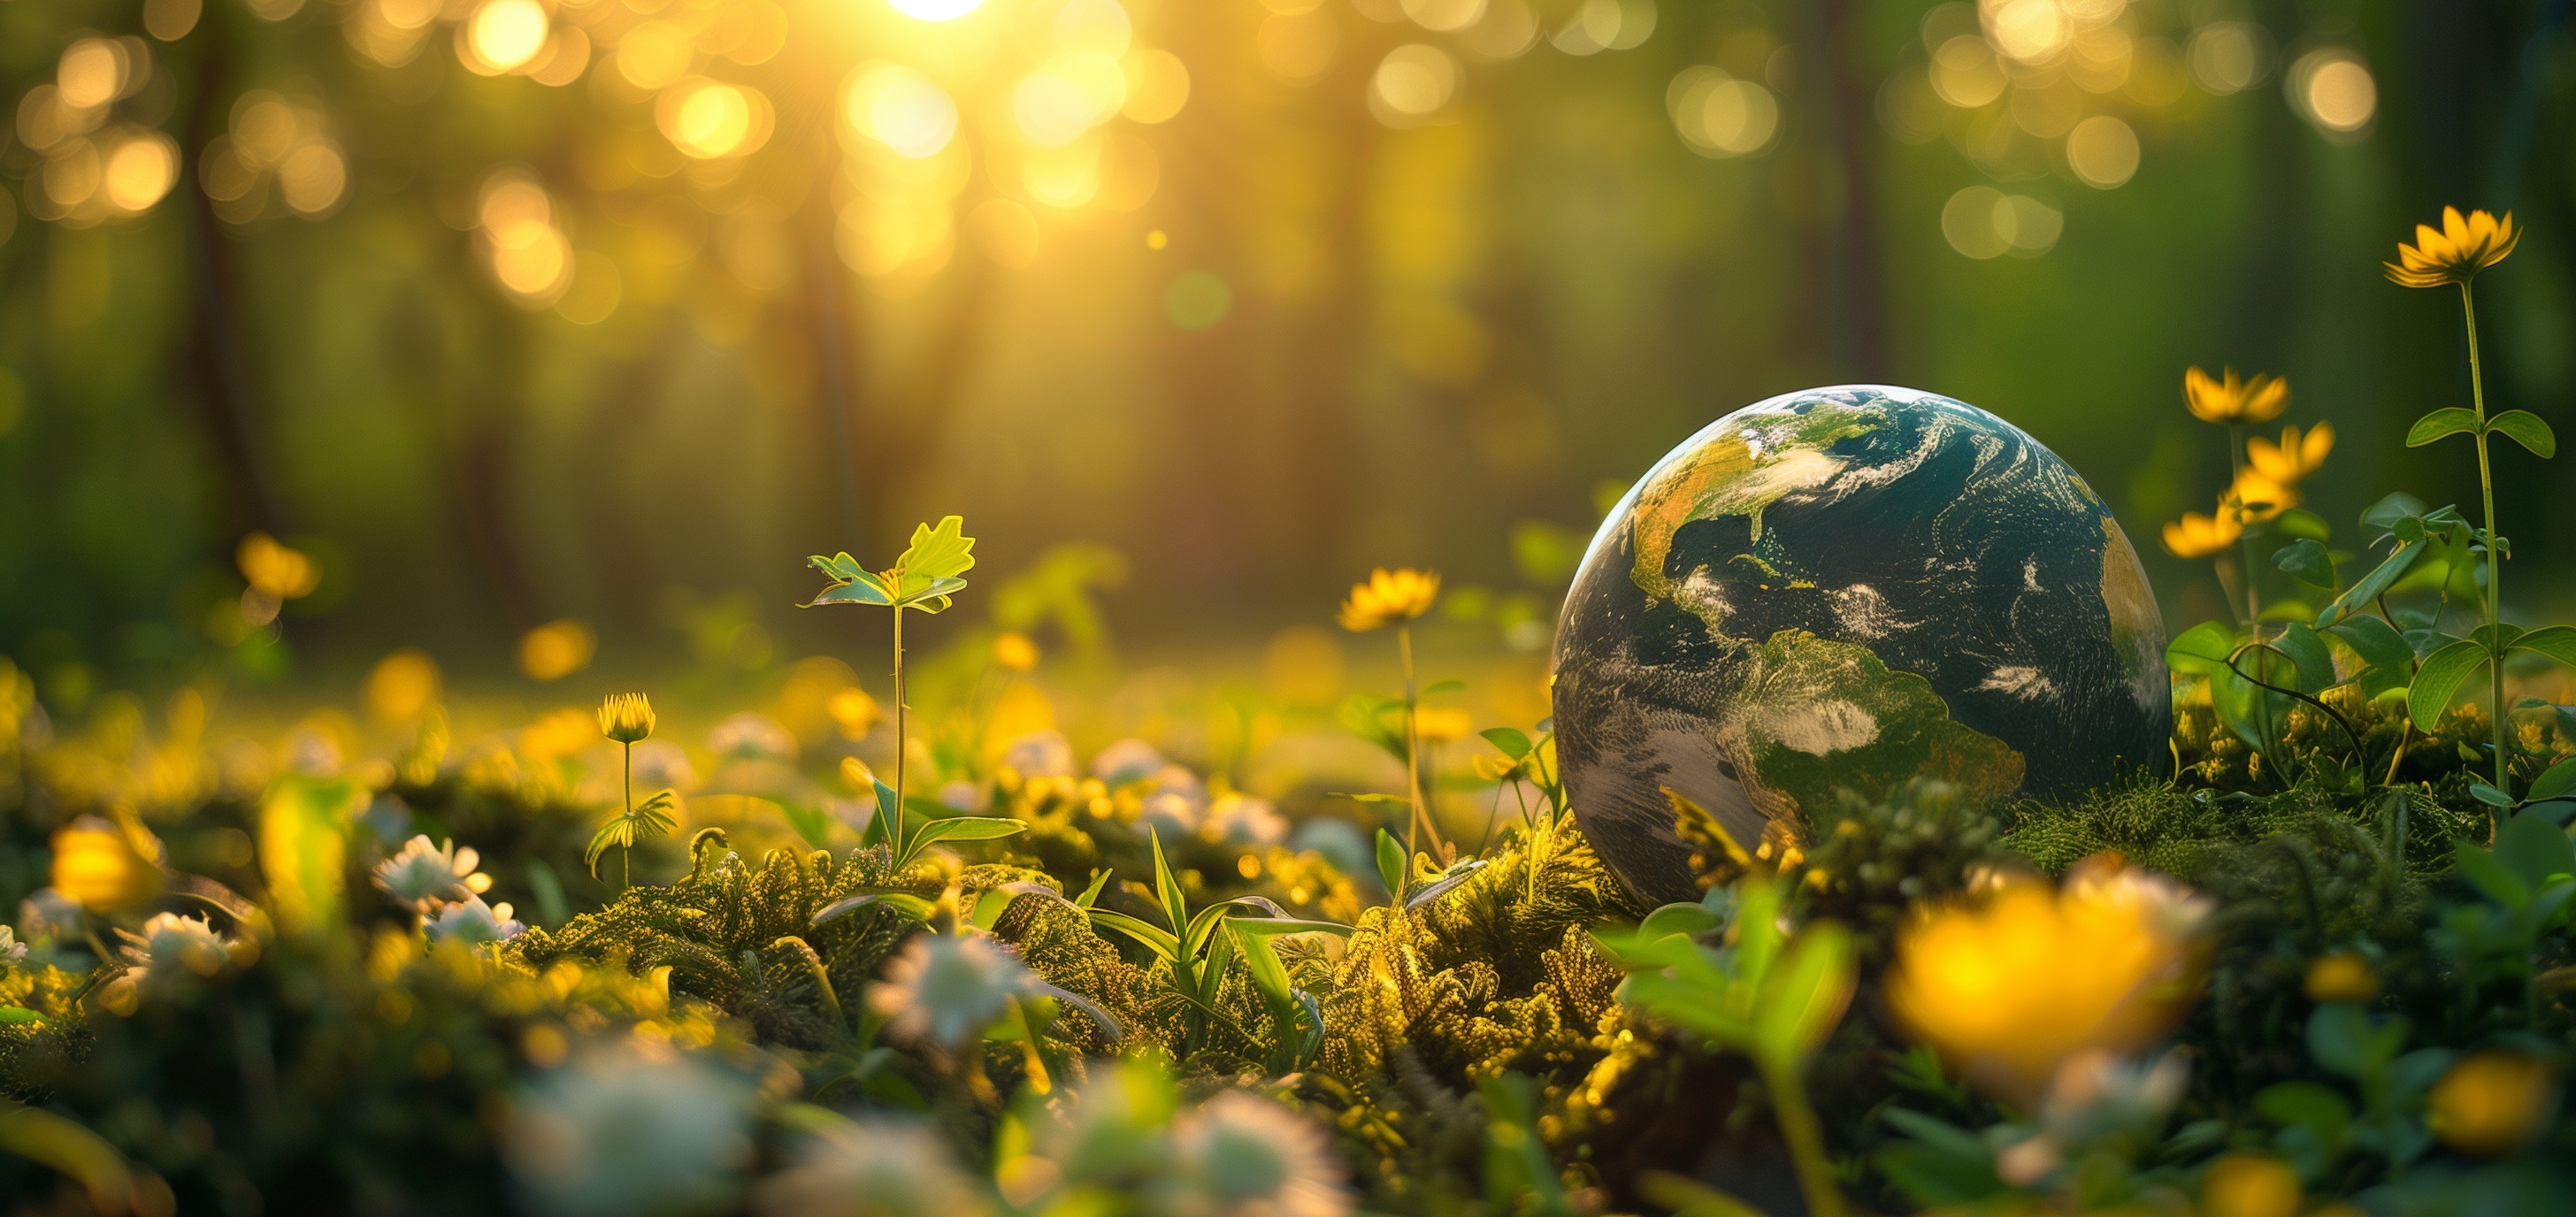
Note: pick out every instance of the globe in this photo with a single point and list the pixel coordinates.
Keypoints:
(1845, 589)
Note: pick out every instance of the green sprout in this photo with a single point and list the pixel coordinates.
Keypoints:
(925, 578)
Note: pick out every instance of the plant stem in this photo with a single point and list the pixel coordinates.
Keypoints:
(2245, 540)
(1421, 821)
(626, 856)
(1800, 1128)
(894, 825)
(2495, 541)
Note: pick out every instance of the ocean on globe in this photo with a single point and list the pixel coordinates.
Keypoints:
(1847, 588)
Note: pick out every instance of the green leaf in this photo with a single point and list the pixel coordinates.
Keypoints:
(812, 824)
(2439, 423)
(2306, 561)
(2555, 641)
(2202, 650)
(1154, 938)
(1680, 919)
(20, 1014)
(1508, 741)
(2376, 643)
(1805, 992)
(1167, 888)
(1445, 687)
(863, 590)
(967, 828)
(2553, 781)
(933, 565)
(2489, 795)
(2315, 662)
(2440, 677)
(2526, 428)
(2381, 518)
(840, 567)
(1091, 894)
(911, 906)
(1683, 1196)
(2493, 878)
(1390, 864)
(2306, 1104)
(1272, 927)
(2535, 848)
(2373, 585)
(2347, 1040)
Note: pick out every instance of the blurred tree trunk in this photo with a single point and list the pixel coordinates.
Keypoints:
(219, 383)
(1849, 92)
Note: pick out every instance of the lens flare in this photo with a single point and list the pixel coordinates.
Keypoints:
(902, 109)
(935, 10)
(505, 34)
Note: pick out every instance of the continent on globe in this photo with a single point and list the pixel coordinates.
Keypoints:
(1847, 588)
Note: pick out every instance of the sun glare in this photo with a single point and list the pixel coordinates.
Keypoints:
(935, 10)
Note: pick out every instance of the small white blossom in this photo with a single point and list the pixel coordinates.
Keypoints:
(874, 1168)
(473, 923)
(1128, 760)
(1241, 1155)
(423, 873)
(632, 1130)
(11, 950)
(1241, 819)
(171, 945)
(946, 988)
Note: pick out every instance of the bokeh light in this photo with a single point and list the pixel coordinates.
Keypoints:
(92, 73)
(708, 119)
(1444, 15)
(141, 170)
(1158, 85)
(1719, 115)
(1413, 81)
(1982, 222)
(503, 35)
(900, 108)
(2103, 151)
(2228, 56)
(1297, 47)
(935, 10)
(2333, 89)
(527, 254)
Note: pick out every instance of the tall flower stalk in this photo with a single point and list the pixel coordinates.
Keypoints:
(628, 719)
(2453, 255)
(1396, 598)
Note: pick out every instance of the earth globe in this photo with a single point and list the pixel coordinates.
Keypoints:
(1845, 589)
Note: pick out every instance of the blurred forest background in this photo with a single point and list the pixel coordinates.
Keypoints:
(516, 311)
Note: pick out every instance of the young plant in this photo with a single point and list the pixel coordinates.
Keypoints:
(930, 572)
(2454, 256)
(1201, 948)
(628, 719)
(1770, 994)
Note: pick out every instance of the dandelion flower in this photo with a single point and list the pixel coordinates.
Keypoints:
(423, 873)
(473, 923)
(2230, 399)
(1241, 1155)
(2492, 1103)
(626, 717)
(946, 988)
(2199, 536)
(873, 1168)
(2455, 254)
(1389, 597)
(2295, 457)
(2009, 984)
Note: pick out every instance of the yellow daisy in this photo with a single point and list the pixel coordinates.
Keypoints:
(2455, 254)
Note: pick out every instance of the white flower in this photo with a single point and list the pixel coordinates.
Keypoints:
(1128, 760)
(1170, 815)
(874, 1168)
(946, 988)
(473, 923)
(630, 1131)
(47, 913)
(11, 950)
(423, 873)
(171, 945)
(1041, 754)
(1241, 1155)
(1241, 819)
(751, 736)
(659, 763)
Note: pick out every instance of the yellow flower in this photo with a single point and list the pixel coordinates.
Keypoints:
(275, 571)
(99, 869)
(2250, 1185)
(2014, 980)
(1388, 597)
(2295, 457)
(626, 717)
(2199, 536)
(2341, 977)
(556, 649)
(853, 711)
(1014, 651)
(401, 685)
(2455, 254)
(1439, 723)
(2233, 399)
(2254, 498)
(2491, 1103)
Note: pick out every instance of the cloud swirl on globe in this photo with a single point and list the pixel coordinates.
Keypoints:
(1848, 587)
